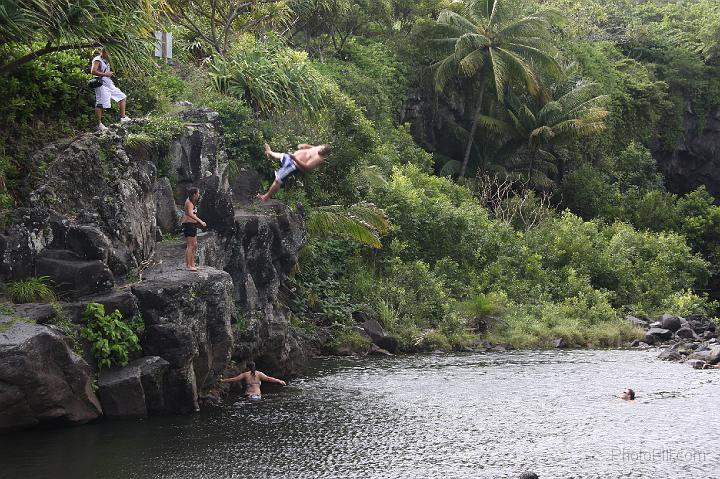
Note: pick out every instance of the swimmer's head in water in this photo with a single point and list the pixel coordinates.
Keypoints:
(628, 394)
(251, 367)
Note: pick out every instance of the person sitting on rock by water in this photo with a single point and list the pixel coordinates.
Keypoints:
(190, 223)
(306, 158)
(252, 379)
(628, 395)
(107, 91)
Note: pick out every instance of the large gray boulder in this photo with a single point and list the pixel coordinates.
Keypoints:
(701, 324)
(95, 182)
(72, 276)
(714, 356)
(640, 323)
(152, 376)
(42, 381)
(660, 333)
(32, 231)
(121, 393)
(673, 323)
(686, 333)
(187, 323)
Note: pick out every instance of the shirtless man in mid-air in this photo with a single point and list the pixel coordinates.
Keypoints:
(306, 158)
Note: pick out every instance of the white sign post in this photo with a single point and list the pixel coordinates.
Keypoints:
(163, 45)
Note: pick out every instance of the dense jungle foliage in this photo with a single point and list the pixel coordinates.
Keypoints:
(510, 145)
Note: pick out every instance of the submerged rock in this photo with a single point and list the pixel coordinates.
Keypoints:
(121, 393)
(696, 363)
(670, 355)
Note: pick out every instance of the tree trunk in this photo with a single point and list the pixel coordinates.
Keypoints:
(473, 128)
(15, 64)
(532, 160)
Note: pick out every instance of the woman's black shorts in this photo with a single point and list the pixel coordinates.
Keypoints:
(189, 229)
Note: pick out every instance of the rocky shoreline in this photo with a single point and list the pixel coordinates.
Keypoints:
(101, 225)
(693, 340)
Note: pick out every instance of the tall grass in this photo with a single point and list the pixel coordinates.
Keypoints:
(31, 290)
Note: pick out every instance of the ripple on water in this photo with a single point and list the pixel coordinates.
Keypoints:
(450, 416)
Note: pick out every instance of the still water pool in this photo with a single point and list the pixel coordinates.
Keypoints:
(437, 416)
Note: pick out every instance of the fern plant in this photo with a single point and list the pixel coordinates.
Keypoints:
(31, 290)
(362, 222)
(112, 340)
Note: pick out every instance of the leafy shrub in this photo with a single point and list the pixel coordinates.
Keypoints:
(154, 137)
(30, 290)
(686, 303)
(269, 76)
(51, 87)
(350, 338)
(111, 339)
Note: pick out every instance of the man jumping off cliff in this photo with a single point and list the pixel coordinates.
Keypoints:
(306, 158)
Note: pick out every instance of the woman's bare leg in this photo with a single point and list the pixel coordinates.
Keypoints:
(98, 114)
(190, 249)
(122, 107)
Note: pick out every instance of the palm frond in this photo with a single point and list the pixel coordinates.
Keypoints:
(445, 70)
(521, 70)
(364, 223)
(472, 63)
(456, 21)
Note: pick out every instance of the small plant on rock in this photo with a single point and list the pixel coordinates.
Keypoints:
(111, 339)
(31, 290)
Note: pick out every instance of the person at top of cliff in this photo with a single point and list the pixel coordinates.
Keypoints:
(252, 379)
(305, 158)
(107, 91)
(190, 223)
(628, 395)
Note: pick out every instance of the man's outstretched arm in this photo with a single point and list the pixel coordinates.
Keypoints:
(304, 146)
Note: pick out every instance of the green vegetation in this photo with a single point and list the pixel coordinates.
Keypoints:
(30, 290)
(494, 169)
(350, 339)
(112, 340)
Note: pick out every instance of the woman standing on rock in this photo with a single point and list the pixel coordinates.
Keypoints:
(252, 380)
(107, 91)
(190, 222)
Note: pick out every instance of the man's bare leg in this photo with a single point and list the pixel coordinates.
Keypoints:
(273, 189)
(271, 154)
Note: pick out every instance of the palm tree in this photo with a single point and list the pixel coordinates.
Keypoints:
(536, 130)
(40, 27)
(493, 44)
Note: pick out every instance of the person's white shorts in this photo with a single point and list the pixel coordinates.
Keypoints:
(108, 92)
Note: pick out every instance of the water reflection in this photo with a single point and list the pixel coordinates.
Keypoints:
(450, 416)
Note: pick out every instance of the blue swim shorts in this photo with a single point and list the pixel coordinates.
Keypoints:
(287, 168)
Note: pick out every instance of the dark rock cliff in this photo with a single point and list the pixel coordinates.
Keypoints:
(695, 158)
(93, 226)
